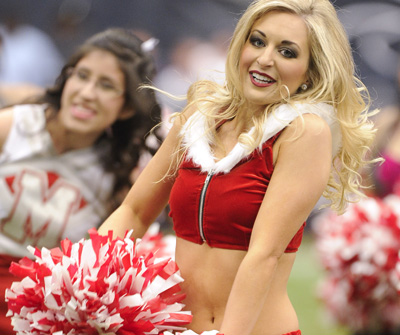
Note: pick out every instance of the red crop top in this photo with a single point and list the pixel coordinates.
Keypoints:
(220, 209)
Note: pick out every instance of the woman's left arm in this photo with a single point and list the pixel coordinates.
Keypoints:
(300, 175)
(6, 120)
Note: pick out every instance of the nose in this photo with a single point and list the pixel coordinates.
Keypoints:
(88, 90)
(266, 58)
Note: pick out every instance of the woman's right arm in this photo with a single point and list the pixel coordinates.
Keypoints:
(6, 120)
(150, 193)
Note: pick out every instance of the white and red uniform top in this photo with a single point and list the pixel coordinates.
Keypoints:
(44, 196)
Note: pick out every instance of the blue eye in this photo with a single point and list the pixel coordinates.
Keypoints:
(256, 41)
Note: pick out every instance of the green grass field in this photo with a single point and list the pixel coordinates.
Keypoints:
(302, 291)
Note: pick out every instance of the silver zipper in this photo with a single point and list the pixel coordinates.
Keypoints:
(201, 204)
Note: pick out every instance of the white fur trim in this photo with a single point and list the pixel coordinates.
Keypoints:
(198, 144)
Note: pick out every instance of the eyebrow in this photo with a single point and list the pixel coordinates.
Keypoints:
(284, 42)
(101, 77)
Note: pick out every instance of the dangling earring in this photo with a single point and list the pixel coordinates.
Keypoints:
(304, 87)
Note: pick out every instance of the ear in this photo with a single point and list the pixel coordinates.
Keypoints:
(307, 78)
(307, 81)
(126, 114)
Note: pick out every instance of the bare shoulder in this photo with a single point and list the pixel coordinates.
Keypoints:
(6, 120)
(174, 136)
(181, 118)
(5, 111)
(309, 127)
(313, 125)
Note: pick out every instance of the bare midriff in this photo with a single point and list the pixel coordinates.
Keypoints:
(208, 278)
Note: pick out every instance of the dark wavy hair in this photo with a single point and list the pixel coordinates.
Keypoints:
(120, 148)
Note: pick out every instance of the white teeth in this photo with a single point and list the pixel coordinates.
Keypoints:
(261, 78)
(83, 109)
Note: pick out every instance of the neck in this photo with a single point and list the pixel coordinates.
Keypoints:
(65, 140)
(244, 119)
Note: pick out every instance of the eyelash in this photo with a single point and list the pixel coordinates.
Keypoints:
(253, 40)
(292, 53)
(258, 43)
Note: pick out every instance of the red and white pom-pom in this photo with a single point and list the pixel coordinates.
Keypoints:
(360, 252)
(162, 246)
(96, 286)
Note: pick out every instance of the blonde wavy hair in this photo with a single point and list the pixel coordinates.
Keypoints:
(331, 79)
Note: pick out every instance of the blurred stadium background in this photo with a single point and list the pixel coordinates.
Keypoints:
(373, 27)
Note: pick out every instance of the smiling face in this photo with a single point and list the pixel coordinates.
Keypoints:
(93, 96)
(276, 54)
